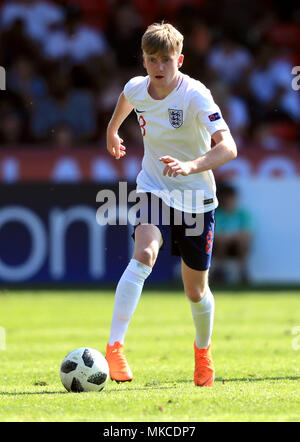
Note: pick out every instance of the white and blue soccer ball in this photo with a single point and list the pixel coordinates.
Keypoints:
(84, 369)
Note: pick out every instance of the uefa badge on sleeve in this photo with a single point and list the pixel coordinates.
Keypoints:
(214, 117)
(176, 117)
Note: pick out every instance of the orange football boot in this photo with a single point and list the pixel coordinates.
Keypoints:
(204, 375)
(119, 369)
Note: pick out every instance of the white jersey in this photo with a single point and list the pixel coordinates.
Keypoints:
(180, 125)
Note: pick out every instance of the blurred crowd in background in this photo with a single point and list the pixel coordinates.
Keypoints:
(67, 62)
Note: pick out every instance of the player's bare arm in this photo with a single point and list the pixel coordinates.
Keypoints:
(224, 151)
(114, 142)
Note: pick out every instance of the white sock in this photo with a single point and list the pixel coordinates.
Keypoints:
(128, 293)
(203, 315)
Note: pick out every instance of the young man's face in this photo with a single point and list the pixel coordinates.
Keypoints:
(163, 68)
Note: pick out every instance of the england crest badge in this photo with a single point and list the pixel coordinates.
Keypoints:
(176, 117)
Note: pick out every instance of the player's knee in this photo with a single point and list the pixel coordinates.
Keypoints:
(147, 256)
(196, 293)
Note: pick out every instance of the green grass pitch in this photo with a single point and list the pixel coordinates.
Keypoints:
(255, 354)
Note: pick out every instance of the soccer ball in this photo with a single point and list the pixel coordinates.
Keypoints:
(84, 369)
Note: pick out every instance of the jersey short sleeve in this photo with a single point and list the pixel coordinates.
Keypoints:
(133, 89)
(207, 111)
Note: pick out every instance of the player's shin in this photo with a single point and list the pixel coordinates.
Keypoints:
(203, 316)
(127, 296)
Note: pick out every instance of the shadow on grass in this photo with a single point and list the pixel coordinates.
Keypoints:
(260, 379)
(249, 379)
(157, 387)
(110, 390)
(23, 393)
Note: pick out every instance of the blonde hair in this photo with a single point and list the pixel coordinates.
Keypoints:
(162, 38)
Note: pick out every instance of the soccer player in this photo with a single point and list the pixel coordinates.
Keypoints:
(178, 118)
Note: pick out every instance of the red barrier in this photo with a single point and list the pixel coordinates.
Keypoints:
(96, 165)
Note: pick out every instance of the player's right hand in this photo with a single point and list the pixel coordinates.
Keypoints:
(115, 146)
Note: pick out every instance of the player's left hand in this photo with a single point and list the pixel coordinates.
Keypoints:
(175, 167)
